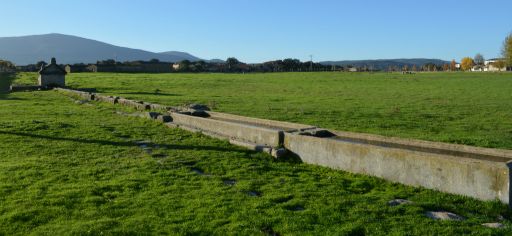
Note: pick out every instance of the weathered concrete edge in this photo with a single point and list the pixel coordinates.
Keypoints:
(481, 179)
(286, 126)
(275, 152)
(373, 138)
(81, 94)
(253, 134)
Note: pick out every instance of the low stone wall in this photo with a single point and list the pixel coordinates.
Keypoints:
(481, 173)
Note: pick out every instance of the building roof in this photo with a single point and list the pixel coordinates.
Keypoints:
(495, 59)
(52, 69)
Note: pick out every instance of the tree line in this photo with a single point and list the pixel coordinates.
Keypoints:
(7, 67)
(478, 61)
(233, 65)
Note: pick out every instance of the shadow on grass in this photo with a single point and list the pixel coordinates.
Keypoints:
(290, 157)
(5, 83)
(125, 143)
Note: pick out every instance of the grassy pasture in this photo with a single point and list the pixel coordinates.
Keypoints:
(464, 108)
(72, 168)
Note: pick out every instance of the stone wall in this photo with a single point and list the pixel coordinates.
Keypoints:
(52, 80)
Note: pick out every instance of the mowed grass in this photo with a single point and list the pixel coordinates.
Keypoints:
(463, 108)
(68, 167)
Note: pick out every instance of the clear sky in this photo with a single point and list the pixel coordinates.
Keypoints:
(262, 30)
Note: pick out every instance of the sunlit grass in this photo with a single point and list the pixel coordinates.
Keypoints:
(464, 108)
(71, 168)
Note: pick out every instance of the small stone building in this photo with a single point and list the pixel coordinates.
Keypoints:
(52, 75)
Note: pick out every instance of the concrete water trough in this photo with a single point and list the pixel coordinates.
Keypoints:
(139, 105)
(247, 132)
(272, 124)
(81, 94)
(476, 172)
(109, 99)
(482, 173)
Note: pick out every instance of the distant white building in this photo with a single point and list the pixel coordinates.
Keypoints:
(490, 66)
(478, 68)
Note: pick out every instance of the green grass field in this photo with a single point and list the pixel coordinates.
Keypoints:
(464, 108)
(68, 167)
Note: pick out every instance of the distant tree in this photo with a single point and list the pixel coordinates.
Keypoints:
(414, 68)
(154, 60)
(499, 64)
(199, 66)
(7, 66)
(290, 64)
(40, 64)
(453, 65)
(479, 59)
(184, 66)
(506, 50)
(446, 67)
(466, 63)
(232, 63)
(107, 62)
(6, 63)
(430, 67)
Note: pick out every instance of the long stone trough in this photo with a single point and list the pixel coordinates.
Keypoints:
(477, 172)
(481, 173)
(244, 132)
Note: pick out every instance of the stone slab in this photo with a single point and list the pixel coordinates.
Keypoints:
(81, 94)
(109, 99)
(139, 105)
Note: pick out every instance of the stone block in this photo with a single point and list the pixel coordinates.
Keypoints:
(139, 105)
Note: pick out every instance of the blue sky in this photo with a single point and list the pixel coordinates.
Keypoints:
(261, 30)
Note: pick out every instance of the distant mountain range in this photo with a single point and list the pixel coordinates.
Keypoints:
(384, 64)
(72, 49)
